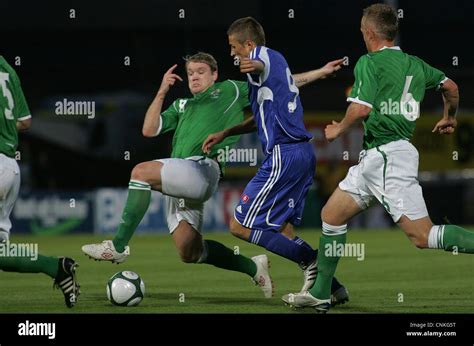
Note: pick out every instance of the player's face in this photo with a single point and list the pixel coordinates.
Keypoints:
(238, 49)
(200, 77)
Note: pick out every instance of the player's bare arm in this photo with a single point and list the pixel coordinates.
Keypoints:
(23, 125)
(151, 124)
(247, 126)
(250, 66)
(355, 112)
(448, 123)
(310, 76)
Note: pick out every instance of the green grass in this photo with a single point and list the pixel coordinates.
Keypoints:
(430, 281)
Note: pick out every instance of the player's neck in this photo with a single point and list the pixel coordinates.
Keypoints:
(380, 44)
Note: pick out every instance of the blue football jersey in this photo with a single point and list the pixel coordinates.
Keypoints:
(275, 101)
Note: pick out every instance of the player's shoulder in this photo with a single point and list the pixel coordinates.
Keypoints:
(5, 66)
(232, 84)
(365, 59)
(266, 54)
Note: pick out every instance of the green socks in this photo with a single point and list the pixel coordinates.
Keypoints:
(451, 238)
(138, 200)
(332, 238)
(222, 257)
(43, 264)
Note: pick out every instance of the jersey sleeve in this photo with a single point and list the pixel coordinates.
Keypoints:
(260, 53)
(433, 76)
(21, 110)
(169, 118)
(365, 85)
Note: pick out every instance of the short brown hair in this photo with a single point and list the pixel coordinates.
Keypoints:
(385, 20)
(247, 28)
(205, 58)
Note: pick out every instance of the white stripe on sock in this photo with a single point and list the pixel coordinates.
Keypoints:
(331, 230)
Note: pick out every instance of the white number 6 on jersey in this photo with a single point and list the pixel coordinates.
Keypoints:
(409, 107)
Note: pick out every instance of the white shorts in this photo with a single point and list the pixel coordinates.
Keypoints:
(188, 184)
(389, 174)
(9, 187)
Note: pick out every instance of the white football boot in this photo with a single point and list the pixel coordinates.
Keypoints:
(262, 278)
(310, 272)
(306, 300)
(105, 251)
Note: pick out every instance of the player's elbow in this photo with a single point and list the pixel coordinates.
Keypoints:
(363, 111)
(147, 132)
(450, 88)
(24, 124)
(358, 111)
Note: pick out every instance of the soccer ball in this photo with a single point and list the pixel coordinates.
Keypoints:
(125, 288)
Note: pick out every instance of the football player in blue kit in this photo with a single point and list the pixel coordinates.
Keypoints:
(273, 201)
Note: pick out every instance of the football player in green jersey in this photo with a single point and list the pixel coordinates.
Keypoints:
(190, 177)
(15, 116)
(388, 89)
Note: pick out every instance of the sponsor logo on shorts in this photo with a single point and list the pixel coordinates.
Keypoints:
(245, 198)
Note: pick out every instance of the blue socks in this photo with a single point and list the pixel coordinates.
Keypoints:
(296, 250)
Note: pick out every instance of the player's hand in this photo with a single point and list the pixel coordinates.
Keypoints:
(331, 68)
(332, 131)
(169, 78)
(248, 66)
(212, 140)
(445, 126)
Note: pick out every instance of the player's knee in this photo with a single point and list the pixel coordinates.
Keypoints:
(188, 257)
(328, 216)
(189, 254)
(139, 172)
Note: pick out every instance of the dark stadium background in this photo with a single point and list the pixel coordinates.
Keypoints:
(83, 58)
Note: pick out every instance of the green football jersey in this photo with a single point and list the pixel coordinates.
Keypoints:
(219, 107)
(13, 107)
(393, 84)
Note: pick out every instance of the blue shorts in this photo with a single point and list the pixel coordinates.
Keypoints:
(277, 193)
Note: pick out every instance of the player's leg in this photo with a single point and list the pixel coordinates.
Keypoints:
(339, 209)
(403, 199)
(9, 188)
(145, 176)
(423, 234)
(185, 222)
(271, 199)
(191, 179)
(62, 270)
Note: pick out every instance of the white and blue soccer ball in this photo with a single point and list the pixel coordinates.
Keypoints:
(125, 288)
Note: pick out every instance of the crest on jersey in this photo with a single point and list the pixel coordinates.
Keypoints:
(215, 94)
(181, 105)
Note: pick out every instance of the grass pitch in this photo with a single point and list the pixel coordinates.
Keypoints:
(394, 277)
